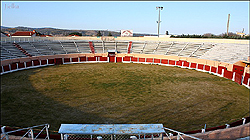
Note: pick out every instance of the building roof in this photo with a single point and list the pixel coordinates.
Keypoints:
(4, 35)
(24, 33)
(46, 36)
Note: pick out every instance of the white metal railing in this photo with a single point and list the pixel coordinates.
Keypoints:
(29, 133)
(179, 134)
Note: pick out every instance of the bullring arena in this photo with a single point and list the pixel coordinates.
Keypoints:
(225, 59)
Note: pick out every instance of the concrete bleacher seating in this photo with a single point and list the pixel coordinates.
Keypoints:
(189, 49)
(222, 52)
(163, 47)
(229, 53)
(30, 48)
(138, 47)
(43, 48)
(9, 51)
(150, 48)
(98, 46)
(202, 50)
(83, 46)
(70, 47)
(122, 47)
(109, 45)
(176, 48)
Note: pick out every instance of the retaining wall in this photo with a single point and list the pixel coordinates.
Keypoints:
(234, 72)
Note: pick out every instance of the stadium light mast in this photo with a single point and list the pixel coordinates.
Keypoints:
(160, 8)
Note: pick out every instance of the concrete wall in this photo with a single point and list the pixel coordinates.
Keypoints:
(232, 41)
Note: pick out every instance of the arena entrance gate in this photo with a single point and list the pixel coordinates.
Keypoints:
(111, 131)
(111, 55)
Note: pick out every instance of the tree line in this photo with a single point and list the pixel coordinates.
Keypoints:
(210, 35)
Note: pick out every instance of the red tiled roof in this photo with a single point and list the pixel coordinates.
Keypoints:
(23, 33)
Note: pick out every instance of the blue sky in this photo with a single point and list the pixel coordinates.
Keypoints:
(183, 17)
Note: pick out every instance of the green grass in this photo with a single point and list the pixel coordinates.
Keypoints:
(181, 99)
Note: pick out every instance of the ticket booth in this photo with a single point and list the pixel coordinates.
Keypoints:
(111, 55)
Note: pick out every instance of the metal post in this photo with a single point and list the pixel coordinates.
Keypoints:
(3, 131)
(160, 8)
(228, 23)
(47, 130)
(244, 121)
(31, 133)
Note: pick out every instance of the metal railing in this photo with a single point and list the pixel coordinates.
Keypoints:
(179, 134)
(30, 132)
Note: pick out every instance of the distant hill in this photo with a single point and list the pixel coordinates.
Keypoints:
(62, 32)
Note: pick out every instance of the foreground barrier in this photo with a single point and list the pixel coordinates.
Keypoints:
(27, 132)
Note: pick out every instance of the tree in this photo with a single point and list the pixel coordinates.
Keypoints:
(76, 33)
(99, 33)
(110, 34)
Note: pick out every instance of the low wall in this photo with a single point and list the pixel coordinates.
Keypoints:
(237, 73)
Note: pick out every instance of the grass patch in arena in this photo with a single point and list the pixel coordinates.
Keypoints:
(181, 99)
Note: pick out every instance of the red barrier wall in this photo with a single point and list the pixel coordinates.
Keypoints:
(238, 78)
(43, 62)
(91, 59)
(245, 80)
(134, 59)
(142, 59)
(36, 62)
(157, 60)
(103, 58)
(193, 65)
(118, 59)
(228, 74)
(66, 60)
(171, 62)
(213, 69)
(58, 61)
(126, 58)
(13, 66)
(238, 69)
(179, 63)
(186, 64)
(200, 66)
(51, 61)
(21, 65)
(207, 68)
(83, 58)
(28, 64)
(74, 59)
(149, 60)
(6, 68)
(220, 69)
(164, 61)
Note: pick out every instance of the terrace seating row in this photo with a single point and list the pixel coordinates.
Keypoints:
(237, 73)
(9, 51)
(230, 53)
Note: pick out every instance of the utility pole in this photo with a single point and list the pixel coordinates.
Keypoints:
(160, 8)
(228, 23)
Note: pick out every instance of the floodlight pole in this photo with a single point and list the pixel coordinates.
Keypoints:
(160, 8)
